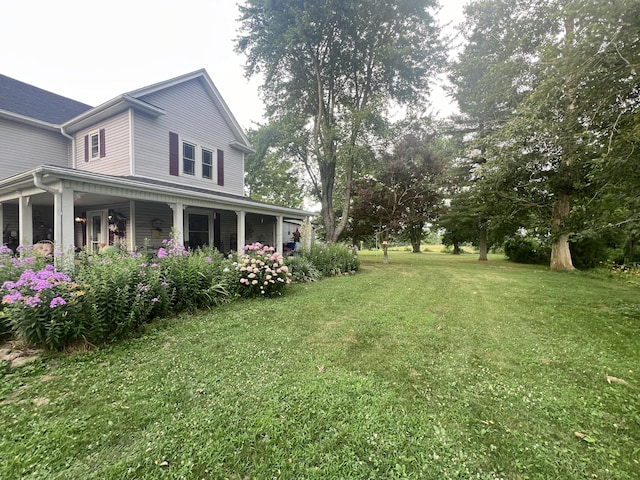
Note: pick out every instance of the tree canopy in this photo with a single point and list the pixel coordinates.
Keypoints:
(549, 122)
(332, 67)
(562, 115)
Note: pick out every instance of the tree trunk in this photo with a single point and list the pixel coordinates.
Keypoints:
(415, 236)
(456, 248)
(560, 252)
(327, 176)
(482, 245)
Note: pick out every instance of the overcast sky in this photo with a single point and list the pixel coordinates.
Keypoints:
(93, 52)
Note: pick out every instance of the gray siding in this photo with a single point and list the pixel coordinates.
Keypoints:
(228, 229)
(23, 147)
(117, 160)
(146, 212)
(191, 114)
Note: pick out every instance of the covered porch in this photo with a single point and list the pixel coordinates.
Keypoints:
(77, 210)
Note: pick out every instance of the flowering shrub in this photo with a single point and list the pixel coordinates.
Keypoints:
(11, 267)
(262, 271)
(46, 308)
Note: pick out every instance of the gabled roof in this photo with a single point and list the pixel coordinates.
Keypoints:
(28, 101)
(242, 142)
(23, 102)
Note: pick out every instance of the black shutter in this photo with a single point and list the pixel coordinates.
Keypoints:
(86, 148)
(174, 154)
(221, 168)
(103, 150)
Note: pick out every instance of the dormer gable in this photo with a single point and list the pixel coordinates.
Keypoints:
(241, 141)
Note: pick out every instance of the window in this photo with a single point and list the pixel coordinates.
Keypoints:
(188, 159)
(95, 145)
(198, 230)
(207, 164)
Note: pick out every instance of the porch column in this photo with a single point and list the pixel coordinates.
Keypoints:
(63, 221)
(1, 224)
(131, 228)
(241, 228)
(25, 220)
(279, 240)
(178, 220)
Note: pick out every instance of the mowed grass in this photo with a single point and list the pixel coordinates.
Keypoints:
(432, 366)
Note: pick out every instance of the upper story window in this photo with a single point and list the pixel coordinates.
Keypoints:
(94, 145)
(188, 159)
(195, 160)
(207, 164)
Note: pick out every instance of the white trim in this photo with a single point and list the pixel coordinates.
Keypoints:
(132, 154)
(91, 135)
(103, 235)
(197, 159)
(194, 160)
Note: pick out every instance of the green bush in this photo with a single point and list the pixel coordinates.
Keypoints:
(333, 259)
(196, 279)
(526, 250)
(302, 269)
(123, 291)
(588, 252)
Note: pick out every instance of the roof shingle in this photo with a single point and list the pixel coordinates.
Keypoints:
(33, 102)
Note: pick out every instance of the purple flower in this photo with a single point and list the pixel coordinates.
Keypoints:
(32, 301)
(162, 253)
(207, 259)
(57, 301)
(155, 299)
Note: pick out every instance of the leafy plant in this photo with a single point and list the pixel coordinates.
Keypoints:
(333, 259)
(195, 279)
(124, 292)
(302, 269)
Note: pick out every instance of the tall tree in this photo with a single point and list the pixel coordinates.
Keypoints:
(575, 108)
(495, 71)
(332, 67)
(272, 171)
(403, 195)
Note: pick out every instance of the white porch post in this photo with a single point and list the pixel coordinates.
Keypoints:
(25, 220)
(279, 240)
(178, 220)
(131, 229)
(241, 228)
(63, 221)
(1, 224)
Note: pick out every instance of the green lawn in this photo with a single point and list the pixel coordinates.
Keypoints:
(432, 366)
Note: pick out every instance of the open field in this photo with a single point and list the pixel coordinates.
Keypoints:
(432, 366)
